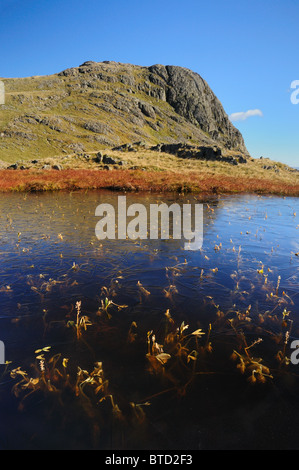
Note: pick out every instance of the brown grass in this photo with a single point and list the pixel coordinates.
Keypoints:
(139, 180)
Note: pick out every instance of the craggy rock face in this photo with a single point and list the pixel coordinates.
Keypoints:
(104, 104)
(192, 98)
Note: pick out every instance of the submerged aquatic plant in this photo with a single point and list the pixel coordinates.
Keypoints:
(47, 377)
(71, 390)
(54, 378)
(82, 321)
(258, 372)
(286, 325)
(176, 357)
(143, 292)
(248, 364)
(105, 306)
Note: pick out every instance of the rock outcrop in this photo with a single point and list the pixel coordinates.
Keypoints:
(199, 153)
(192, 98)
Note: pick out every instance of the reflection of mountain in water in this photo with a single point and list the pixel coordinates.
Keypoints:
(53, 232)
(70, 219)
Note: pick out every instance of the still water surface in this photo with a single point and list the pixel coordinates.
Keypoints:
(243, 283)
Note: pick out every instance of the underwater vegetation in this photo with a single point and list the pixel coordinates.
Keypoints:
(137, 360)
(175, 356)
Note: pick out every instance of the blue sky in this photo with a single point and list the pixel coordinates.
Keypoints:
(247, 51)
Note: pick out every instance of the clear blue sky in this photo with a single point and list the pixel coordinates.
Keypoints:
(247, 51)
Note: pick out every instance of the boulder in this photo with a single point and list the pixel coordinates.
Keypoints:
(108, 160)
(98, 157)
(15, 166)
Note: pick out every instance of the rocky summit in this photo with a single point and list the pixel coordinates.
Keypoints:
(108, 104)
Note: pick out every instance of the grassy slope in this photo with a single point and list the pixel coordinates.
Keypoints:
(154, 171)
(66, 104)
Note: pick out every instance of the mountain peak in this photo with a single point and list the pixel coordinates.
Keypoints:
(100, 104)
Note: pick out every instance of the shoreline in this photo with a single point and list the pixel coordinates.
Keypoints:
(193, 182)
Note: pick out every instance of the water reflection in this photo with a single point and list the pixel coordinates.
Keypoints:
(247, 269)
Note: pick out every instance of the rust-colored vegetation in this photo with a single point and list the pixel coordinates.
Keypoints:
(140, 180)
